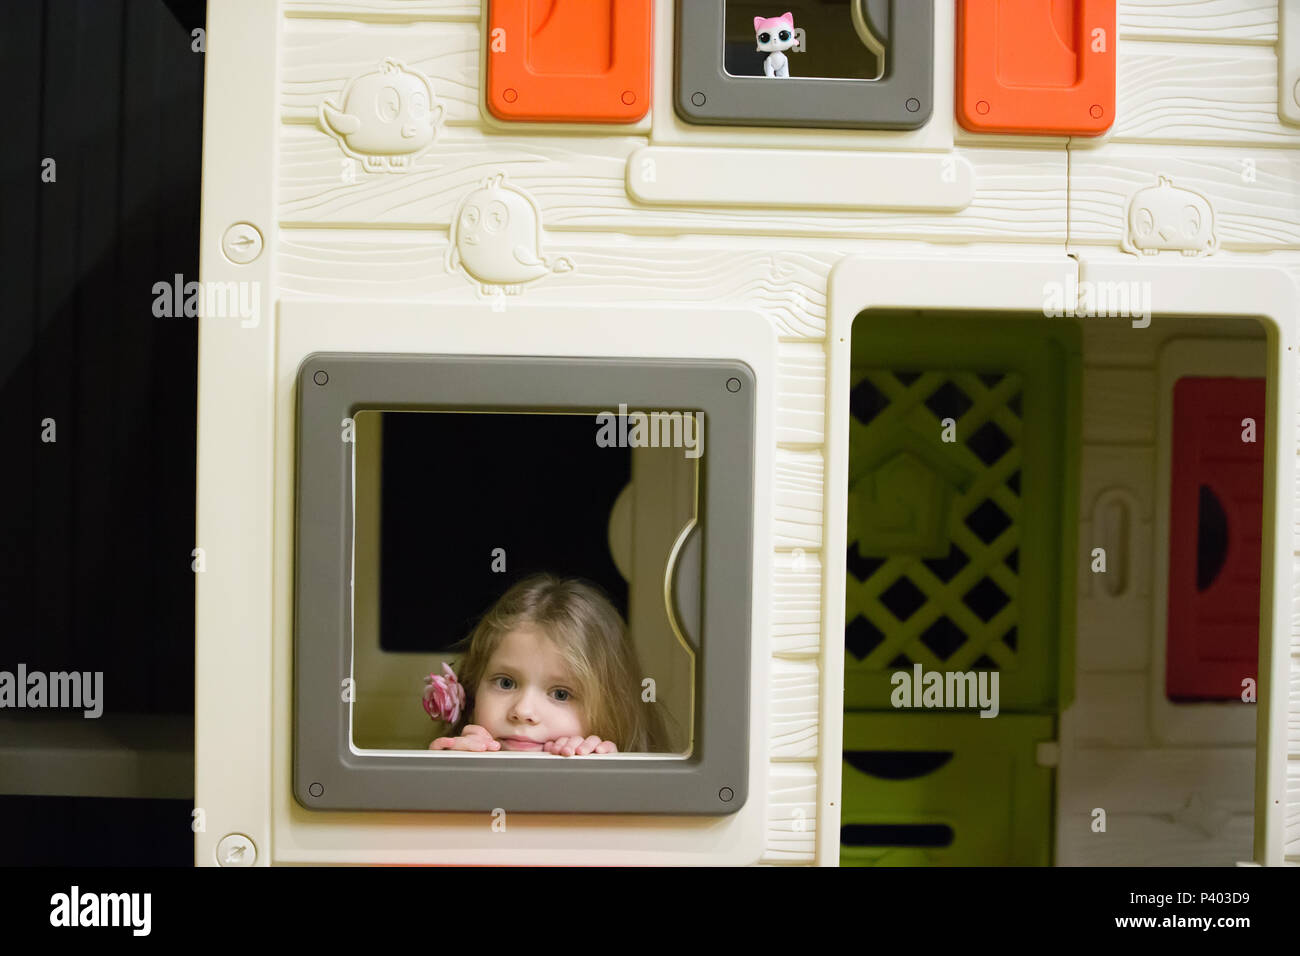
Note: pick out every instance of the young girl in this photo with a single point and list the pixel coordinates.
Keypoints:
(549, 669)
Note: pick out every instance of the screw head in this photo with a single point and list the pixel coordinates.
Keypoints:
(628, 97)
(1096, 111)
(913, 105)
(726, 794)
(733, 384)
(698, 98)
(982, 107)
(321, 377)
(242, 243)
(235, 849)
(316, 789)
(510, 95)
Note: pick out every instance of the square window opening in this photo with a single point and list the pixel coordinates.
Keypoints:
(571, 536)
(835, 40)
(831, 64)
(454, 509)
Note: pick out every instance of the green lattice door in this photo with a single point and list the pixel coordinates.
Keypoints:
(958, 551)
(962, 523)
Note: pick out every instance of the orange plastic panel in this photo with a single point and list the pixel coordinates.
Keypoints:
(1036, 66)
(569, 61)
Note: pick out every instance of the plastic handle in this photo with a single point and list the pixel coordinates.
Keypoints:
(682, 585)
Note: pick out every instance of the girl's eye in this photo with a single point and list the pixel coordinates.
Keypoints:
(505, 683)
(562, 695)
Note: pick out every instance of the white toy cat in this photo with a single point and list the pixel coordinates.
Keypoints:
(776, 35)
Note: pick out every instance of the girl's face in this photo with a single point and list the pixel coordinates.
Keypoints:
(526, 696)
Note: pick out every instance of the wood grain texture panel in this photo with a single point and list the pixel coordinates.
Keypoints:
(579, 183)
(1119, 406)
(1293, 710)
(1292, 825)
(1170, 93)
(320, 58)
(1217, 21)
(799, 488)
(396, 10)
(1157, 781)
(788, 287)
(794, 704)
(1258, 215)
(1114, 633)
(796, 602)
(801, 394)
(791, 813)
(1114, 343)
(1110, 709)
(1295, 614)
(1146, 840)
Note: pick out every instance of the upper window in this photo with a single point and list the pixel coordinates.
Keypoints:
(865, 64)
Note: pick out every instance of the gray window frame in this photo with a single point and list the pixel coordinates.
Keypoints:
(901, 99)
(328, 774)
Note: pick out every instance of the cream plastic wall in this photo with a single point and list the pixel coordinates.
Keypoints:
(1197, 104)
(678, 220)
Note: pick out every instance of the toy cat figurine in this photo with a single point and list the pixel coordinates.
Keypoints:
(776, 35)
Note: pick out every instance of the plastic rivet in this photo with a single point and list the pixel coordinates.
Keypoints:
(982, 107)
(316, 790)
(320, 378)
(726, 794)
(235, 849)
(242, 243)
(1096, 111)
(698, 98)
(510, 95)
(913, 105)
(628, 97)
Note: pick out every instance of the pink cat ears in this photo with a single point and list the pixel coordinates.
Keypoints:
(760, 22)
(444, 696)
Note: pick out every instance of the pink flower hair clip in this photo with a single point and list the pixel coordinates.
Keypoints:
(444, 696)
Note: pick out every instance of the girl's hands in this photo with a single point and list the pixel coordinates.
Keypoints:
(476, 739)
(473, 737)
(577, 746)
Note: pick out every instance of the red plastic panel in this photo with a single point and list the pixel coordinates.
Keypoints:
(1043, 67)
(1215, 542)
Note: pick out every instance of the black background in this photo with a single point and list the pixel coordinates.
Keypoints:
(96, 529)
(457, 486)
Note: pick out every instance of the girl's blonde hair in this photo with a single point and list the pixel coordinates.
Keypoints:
(593, 641)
